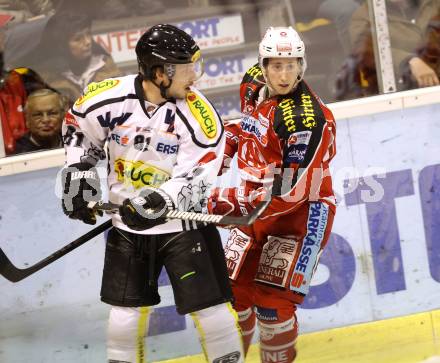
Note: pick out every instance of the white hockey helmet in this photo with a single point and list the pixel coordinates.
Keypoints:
(282, 42)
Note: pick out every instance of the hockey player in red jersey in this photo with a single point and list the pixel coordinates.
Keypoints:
(284, 143)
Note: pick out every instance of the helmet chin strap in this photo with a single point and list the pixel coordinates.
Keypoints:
(163, 89)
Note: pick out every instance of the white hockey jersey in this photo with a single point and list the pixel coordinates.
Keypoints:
(177, 146)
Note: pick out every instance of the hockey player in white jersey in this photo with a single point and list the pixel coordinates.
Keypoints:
(165, 144)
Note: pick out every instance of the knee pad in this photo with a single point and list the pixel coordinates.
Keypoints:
(219, 334)
(126, 334)
(277, 340)
(247, 321)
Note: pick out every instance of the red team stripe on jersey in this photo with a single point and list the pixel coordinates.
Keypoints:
(70, 120)
(207, 158)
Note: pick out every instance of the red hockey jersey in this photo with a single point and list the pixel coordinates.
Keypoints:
(285, 143)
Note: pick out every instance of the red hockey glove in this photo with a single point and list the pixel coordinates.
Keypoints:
(234, 201)
(232, 131)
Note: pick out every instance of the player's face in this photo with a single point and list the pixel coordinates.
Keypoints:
(282, 74)
(185, 75)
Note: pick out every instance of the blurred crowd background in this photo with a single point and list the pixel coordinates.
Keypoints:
(51, 49)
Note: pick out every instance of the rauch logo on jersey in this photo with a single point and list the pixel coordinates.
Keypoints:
(94, 89)
(139, 174)
(203, 114)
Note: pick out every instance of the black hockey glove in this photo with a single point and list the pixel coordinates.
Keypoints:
(134, 211)
(80, 185)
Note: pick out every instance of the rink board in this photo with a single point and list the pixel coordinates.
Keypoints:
(383, 259)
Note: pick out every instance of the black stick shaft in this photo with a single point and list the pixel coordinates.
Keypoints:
(14, 274)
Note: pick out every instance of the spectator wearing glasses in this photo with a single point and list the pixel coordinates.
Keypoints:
(15, 85)
(44, 111)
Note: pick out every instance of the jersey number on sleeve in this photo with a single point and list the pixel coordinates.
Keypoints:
(73, 134)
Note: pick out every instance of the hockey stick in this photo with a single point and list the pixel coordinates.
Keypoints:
(15, 274)
(197, 217)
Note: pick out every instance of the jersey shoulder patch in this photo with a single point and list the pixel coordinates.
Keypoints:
(204, 113)
(98, 94)
(254, 75)
(251, 84)
(95, 88)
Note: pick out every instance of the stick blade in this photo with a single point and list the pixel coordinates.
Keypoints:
(8, 270)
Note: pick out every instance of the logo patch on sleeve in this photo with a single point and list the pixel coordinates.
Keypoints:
(69, 119)
(297, 146)
(203, 113)
(95, 88)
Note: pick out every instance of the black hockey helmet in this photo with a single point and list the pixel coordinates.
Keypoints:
(165, 44)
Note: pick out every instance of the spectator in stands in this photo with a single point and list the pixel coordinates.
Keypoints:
(406, 25)
(44, 111)
(68, 58)
(117, 9)
(15, 85)
(423, 68)
(357, 76)
(22, 10)
(320, 36)
(340, 13)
